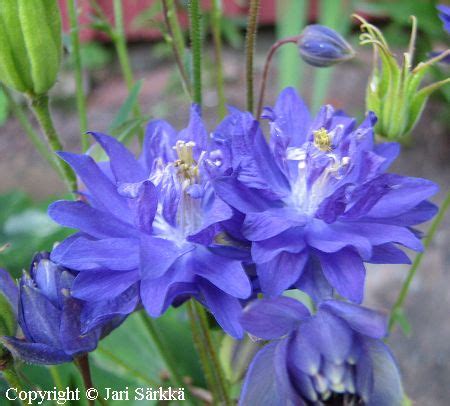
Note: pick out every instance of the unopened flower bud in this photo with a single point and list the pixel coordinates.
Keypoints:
(394, 92)
(321, 46)
(30, 44)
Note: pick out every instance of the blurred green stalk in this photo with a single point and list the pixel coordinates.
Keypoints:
(30, 132)
(195, 29)
(216, 23)
(120, 43)
(291, 18)
(250, 43)
(177, 41)
(75, 45)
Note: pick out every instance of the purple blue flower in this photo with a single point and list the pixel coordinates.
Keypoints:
(9, 297)
(321, 46)
(52, 321)
(153, 224)
(316, 200)
(335, 356)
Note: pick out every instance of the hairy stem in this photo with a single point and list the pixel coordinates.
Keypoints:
(418, 260)
(75, 44)
(216, 22)
(195, 29)
(250, 41)
(29, 130)
(269, 57)
(40, 107)
(208, 355)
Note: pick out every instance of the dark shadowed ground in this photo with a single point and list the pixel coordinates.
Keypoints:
(425, 355)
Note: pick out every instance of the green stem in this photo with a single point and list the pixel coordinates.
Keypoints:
(82, 363)
(81, 101)
(40, 107)
(208, 355)
(9, 373)
(163, 349)
(250, 41)
(176, 41)
(416, 264)
(56, 377)
(195, 29)
(120, 44)
(216, 22)
(29, 130)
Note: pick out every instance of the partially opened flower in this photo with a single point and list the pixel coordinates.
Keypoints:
(152, 223)
(51, 319)
(317, 201)
(444, 15)
(335, 356)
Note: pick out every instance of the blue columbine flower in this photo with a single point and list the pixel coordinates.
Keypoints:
(444, 15)
(51, 319)
(317, 200)
(155, 224)
(321, 46)
(334, 356)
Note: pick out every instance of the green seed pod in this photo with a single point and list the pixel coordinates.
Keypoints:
(394, 92)
(30, 44)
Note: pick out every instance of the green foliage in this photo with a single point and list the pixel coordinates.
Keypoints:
(26, 228)
(4, 107)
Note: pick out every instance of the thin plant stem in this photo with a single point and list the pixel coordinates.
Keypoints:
(163, 349)
(120, 44)
(12, 378)
(269, 57)
(417, 261)
(195, 30)
(208, 355)
(56, 377)
(81, 100)
(82, 363)
(176, 41)
(250, 42)
(29, 130)
(216, 22)
(40, 107)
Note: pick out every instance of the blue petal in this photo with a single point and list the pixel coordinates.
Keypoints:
(195, 131)
(160, 137)
(313, 282)
(97, 223)
(124, 165)
(267, 224)
(260, 385)
(304, 357)
(405, 194)
(146, 206)
(389, 151)
(82, 254)
(35, 353)
(345, 271)
(225, 308)
(281, 272)
(100, 187)
(273, 318)
(72, 339)
(103, 285)
(38, 317)
(359, 318)
(388, 254)
(158, 254)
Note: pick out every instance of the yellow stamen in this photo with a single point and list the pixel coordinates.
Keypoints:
(322, 140)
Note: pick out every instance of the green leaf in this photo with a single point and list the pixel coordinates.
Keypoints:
(127, 106)
(4, 107)
(400, 318)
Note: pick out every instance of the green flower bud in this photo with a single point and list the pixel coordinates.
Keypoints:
(394, 92)
(30, 44)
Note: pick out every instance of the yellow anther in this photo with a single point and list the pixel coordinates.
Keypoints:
(322, 140)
